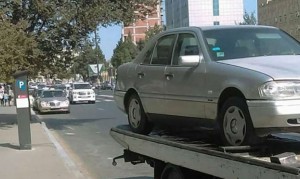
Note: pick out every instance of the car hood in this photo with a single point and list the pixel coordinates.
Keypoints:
(54, 99)
(277, 67)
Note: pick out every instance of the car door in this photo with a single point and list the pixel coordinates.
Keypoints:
(185, 93)
(151, 76)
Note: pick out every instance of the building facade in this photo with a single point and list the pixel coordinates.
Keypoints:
(284, 14)
(183, 13)
(140, 26)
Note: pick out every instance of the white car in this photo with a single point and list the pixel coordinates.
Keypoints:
(82, 92)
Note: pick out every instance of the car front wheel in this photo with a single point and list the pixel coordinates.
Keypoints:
(137, 118)
(235, 123)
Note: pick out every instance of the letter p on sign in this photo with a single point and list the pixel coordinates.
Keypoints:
(21, 85)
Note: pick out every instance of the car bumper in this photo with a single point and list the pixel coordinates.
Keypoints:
(49, 109)
(84, 98)
(284, 115)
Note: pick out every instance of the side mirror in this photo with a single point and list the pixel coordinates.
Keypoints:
(93, 87)
(190, 60)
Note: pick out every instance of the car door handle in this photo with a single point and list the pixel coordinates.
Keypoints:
(169, 76)
(141, 74)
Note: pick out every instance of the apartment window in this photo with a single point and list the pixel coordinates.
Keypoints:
(216, 23)
(216, 7)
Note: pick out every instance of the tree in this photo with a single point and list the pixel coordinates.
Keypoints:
(140, 44)
(249, 19)
(18, 50)
(88, 55)
(60, 27)
(151, 32)
(124, 52)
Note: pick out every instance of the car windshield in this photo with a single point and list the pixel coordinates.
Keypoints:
(234, 43)
(60, 87)
(39, 92)
(82, 86)
(51, 94)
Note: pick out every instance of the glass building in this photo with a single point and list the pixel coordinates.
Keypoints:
(183, 13)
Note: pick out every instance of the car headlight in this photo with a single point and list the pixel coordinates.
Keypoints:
(44, 104)
(65, 103)
(280, 90)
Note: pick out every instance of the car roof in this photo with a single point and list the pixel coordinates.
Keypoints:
(195, 28)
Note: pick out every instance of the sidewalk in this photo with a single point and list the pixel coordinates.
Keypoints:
(42, 162)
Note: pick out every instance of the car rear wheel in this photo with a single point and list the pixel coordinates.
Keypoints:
(172, 172)
(235, 123)
(137, 118)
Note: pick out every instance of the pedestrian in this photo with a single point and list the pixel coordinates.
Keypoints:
(10, 96)
(1, 95)
(5, 98)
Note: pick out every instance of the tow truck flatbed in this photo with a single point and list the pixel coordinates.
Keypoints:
(278, 158)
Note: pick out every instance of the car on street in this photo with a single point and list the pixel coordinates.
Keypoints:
(65, 88)
(53, 100)
(107, 85)
(36, 95)
(82, 92)
(243, 81)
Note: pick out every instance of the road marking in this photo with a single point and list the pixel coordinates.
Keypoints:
(70, 133)
(109, 158)
(100, 109)
(108, 100)
(109, 96)
(68, 127)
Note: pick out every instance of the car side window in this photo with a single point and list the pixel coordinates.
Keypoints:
(162, 53)
(148, 55)
(186, 45)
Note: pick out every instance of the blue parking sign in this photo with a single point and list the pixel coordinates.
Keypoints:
(21, 85)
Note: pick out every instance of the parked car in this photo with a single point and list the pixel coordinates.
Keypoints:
(65, 88)
(36, 95)
(53, 100)
(106, 85)
(243, 80)
(82, 92)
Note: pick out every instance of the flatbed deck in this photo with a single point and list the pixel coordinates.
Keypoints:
(198, 153)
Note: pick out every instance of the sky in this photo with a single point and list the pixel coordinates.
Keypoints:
(110, 36)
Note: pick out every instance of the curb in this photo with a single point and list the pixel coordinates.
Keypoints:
(71, 166)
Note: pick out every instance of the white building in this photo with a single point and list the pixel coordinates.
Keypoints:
(183, 13)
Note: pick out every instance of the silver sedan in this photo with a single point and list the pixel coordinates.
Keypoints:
(242, 80)
(53, 101)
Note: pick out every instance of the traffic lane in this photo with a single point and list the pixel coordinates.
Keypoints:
(85, 134)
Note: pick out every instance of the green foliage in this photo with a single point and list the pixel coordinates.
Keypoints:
(56, 29)
(124, 52)
(88, 55)
(140, 44)
(18, 50)
(249, 19)
(151, 32)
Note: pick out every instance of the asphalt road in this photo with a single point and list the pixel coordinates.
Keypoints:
(84, 135)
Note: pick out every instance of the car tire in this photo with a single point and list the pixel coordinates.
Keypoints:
(137, 118)
(172, 172)
(235, 123)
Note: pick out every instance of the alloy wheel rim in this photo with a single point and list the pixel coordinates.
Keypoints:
(134, 113)
(234, 126)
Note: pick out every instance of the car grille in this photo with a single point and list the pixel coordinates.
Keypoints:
(82, 93)
(53, 104)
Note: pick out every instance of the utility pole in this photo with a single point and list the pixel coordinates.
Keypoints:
(97, 57)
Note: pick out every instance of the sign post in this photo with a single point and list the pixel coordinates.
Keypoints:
(23, 109)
